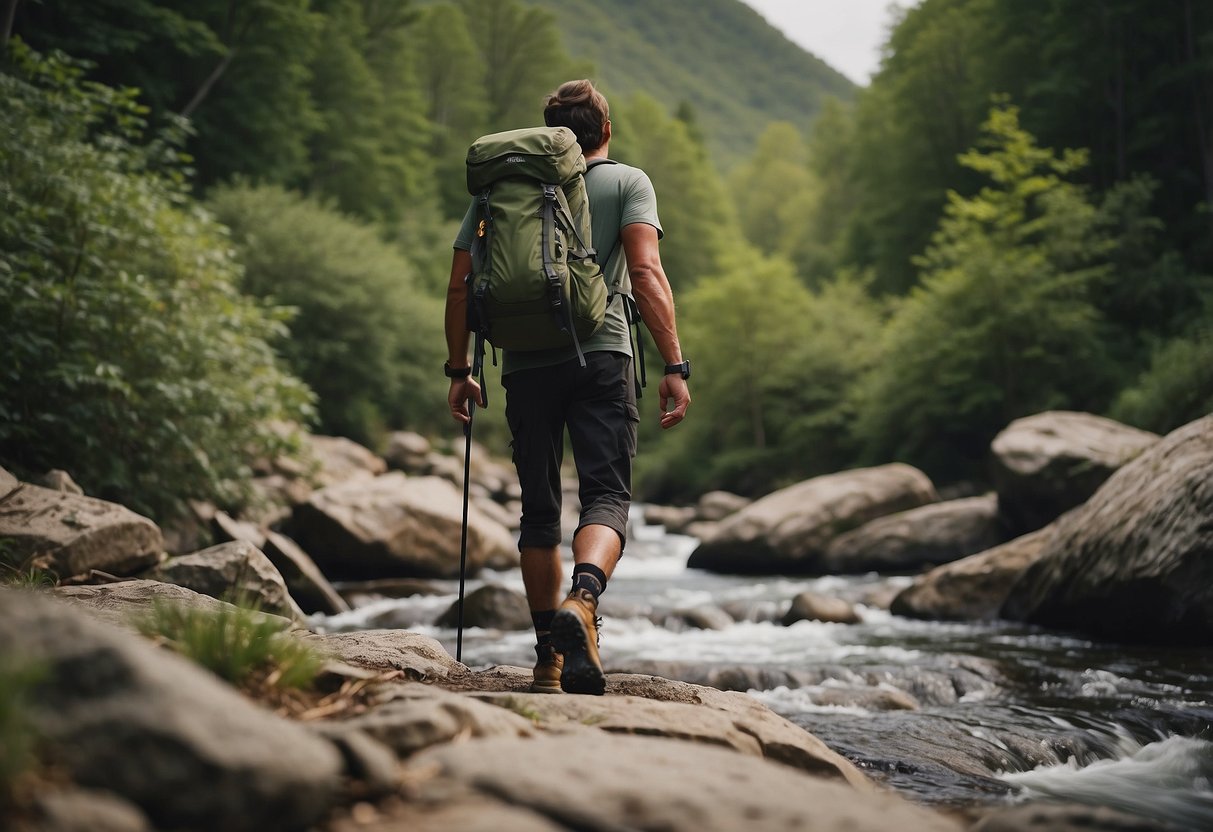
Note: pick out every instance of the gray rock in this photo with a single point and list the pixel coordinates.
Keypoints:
(1046, 464)
(1133, 563)
(717, 505)
(306, 583)
(72, 535)
(705, 617)
(646, 783)
(492, 607)
(120, 715)
(924, 536)
(8, 484)
(419, 658)
(420, 716)
(341, 460)
(972, 589)
(673, 518)
(813, 606)
(85, 810)
(367, 760)
(227, 529)
(238, 572)
(407, 451)
(395, 526)
(122, 604)
(787, 532)
(57, 479)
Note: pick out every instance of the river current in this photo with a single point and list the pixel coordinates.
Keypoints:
(945, 713)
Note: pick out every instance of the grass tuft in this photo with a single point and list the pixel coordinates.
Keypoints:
(239, 644)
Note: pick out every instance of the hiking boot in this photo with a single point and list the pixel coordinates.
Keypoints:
(575, 637)
(547, 670)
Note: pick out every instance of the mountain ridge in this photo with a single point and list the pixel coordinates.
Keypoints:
(736, 70)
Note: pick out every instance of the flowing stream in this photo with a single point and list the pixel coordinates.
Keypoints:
(945, 713)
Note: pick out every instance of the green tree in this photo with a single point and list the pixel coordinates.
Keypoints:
(1003, 324)
(450, 72)
(523, 59)
(700, 223)
(775, 191)
(240, 71)
(129, 356)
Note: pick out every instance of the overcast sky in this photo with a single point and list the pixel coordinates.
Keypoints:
(846, 34)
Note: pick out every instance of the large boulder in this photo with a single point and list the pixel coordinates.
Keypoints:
(1046, 464)
(306, 583)
(649, 783)
(341, 460)
(787, 532)
(923, 536)
(118, 714)
(236, 571)
(70, 534)
(813, 606)
(973, 588)
(417, 657)
(1135, 562)
(491, 607)
(395, 526)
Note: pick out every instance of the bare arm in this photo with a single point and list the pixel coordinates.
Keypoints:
(457, 337)
(655, 299)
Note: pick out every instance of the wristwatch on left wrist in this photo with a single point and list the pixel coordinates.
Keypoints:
(455, 372)
(681, 369)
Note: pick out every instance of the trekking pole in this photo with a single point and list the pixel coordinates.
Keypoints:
(463, 538)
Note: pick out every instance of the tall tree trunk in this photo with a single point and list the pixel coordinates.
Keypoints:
(205, 89)
(10, 15)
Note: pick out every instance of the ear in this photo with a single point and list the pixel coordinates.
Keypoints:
(606, 131)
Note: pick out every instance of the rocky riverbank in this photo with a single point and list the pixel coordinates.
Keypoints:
(392, 733)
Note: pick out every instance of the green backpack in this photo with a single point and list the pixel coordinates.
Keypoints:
(535, 282)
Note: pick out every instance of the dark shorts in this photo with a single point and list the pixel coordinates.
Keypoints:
(597, 405)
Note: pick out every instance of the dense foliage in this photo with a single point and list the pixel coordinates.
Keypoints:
(128, 356)
(366, 337)
(1015, 215)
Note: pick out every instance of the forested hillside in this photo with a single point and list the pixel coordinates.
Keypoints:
(735, 70)
(237, 214)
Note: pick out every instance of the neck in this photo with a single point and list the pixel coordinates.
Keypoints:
(599, 152)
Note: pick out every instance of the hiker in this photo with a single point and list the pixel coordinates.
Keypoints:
(588, 390)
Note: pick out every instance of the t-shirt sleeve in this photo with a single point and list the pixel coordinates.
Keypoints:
(640, 203)
(463, 240)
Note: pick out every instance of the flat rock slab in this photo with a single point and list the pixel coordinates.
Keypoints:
(787, 532)
(70, 534)
(647, 783)
(124, 603)
(123, 716)
(420, 658)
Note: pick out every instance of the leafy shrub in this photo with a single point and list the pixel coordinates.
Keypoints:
(367, 338)
(1176, 389)
(129, 356)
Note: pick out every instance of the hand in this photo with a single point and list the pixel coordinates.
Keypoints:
(463, 389)
(673, 390)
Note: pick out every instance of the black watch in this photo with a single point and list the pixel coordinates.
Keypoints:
(683, 369)
(455, 372)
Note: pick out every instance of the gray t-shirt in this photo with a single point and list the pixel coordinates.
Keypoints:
(619, 195)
